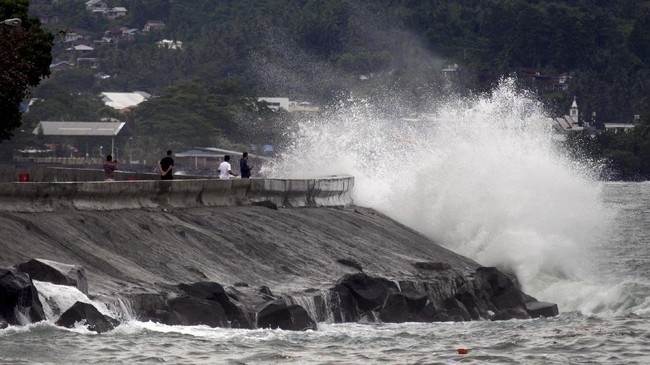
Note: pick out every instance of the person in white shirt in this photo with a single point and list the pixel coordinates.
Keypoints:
(224, 169)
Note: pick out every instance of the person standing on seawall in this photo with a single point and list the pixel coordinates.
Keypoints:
(244, 168)
(225, 170)
(166, 167)
(109, 168)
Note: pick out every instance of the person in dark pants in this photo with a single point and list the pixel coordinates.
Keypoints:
(244, 167)
(166, 167)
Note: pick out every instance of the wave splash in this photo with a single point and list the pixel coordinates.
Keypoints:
(480, 175)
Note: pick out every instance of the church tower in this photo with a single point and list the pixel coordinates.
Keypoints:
(574, 111)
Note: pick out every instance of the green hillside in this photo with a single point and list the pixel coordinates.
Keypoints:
(322, 50)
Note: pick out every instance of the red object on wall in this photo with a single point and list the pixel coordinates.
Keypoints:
(23, 177)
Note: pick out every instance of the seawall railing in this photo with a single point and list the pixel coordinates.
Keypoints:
(47, 196)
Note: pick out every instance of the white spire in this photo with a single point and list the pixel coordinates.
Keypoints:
(574, 110)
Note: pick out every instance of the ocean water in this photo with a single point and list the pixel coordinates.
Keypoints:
(482, 176)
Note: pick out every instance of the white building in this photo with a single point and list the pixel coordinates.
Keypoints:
(290, 106)
(619, 127)
(569, 123)
(169, 44)
(275, 103)
(121, 101)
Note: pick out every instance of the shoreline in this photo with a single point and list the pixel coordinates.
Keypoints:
(235, 265)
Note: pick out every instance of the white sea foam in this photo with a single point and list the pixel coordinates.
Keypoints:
(56, 299)
(482, 176)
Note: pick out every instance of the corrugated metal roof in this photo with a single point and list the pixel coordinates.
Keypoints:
(79, 128)
(120, 101)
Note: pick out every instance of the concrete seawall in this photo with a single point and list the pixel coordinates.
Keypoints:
(327, 261)
(153, 194)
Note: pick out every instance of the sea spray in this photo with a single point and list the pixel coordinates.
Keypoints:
(56, 299)
(482, 176)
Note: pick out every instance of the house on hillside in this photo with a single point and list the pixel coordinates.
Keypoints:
(114, 13)
(277, 103)
(451, 69)
(274, 102)
(106, 42)
(619, 127)
(622, 127)
(169, 44)
(75, 36)
(48, 18)
(129, 34)
(121, 33)
(94, 5)
(561, 82)
(154, 26)
(80, 50)
(61, 66)
(89, 62)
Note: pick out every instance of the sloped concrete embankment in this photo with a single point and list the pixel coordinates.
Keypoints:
(208, 260)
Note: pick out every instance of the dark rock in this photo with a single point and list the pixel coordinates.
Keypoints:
(192, 311)
(429, 313)
(278, 314)
(266, 291)
(3, 323)
(351, 263)
(542, 309)
(266, 203)
(149, 307)
(431, 265)
(508, 298)
(89, 315)
(18, 295)
(455, 310)
(342, 304)
(401, 308)
(212, 291)
(370, 293)
(241, 284)
(499, 288)
(56, 273)
(511, 313)
(470, 303)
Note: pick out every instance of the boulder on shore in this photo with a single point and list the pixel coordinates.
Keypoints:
(56, 273)
(278, 314)
(19, 302)
(89, 316)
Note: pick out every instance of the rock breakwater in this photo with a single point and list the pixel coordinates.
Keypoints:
(251, 266)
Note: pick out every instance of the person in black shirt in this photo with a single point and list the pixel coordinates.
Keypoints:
(109, 168)
(244, 168)
(166, 167)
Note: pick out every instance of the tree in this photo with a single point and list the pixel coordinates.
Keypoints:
(25, 57)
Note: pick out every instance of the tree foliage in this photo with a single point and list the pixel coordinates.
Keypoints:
(24, 60)
(319, 50)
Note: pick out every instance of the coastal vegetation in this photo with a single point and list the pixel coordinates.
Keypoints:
(325, 51)
(24, 60)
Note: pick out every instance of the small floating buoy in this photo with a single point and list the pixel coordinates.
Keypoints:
(463, 351)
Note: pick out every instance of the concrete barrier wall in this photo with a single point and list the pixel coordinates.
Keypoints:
(157, 194)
